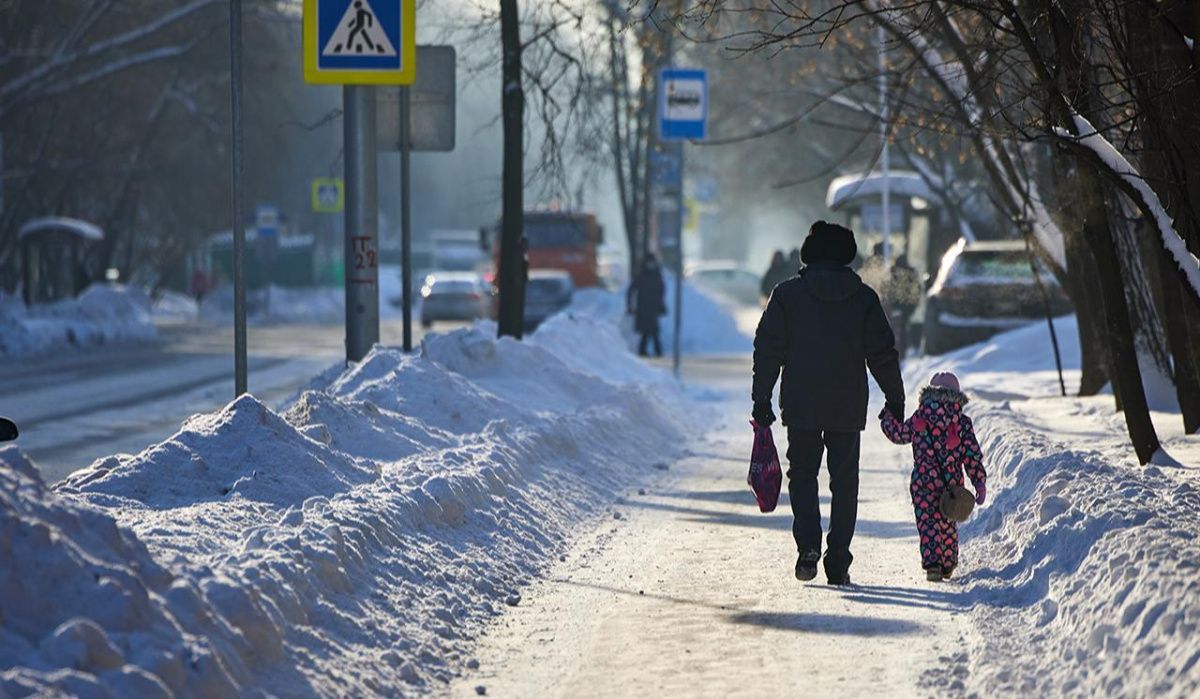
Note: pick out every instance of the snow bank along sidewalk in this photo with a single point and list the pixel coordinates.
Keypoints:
(1083, 570)
(351, 544)
(102, 314)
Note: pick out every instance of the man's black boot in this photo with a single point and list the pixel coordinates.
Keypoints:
(806, 565)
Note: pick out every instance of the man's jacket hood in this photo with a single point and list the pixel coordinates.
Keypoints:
(830, 282)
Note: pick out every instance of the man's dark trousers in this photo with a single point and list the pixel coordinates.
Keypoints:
(805, 448)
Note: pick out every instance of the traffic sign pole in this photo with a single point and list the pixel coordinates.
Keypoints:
(237, 226)
(675, 349)
(406, 216)
(683, 115)
(362, 221)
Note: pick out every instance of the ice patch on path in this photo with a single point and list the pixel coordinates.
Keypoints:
(353, 544)
(103, 314)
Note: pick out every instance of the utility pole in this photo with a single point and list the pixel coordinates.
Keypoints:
(406, 214)
(678, 226)
(362, 221)
(237, 227)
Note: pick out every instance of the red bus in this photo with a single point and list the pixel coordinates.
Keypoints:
(565, 240)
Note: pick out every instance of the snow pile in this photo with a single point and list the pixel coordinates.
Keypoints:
(1081, 572)
(87, 611)
(1083, 563)
(103, 314)
(294, 305)
(1015, 364)
(708, 325)
(350, 545)
(174, 307)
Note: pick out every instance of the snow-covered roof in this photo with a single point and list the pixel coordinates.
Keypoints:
(83, 229)
(850, 189)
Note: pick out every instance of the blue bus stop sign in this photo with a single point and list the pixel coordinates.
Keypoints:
(682, 104)
(368, 42)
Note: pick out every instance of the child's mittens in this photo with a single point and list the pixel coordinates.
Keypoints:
(980, 493)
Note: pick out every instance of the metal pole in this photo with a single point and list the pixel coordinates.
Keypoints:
(362, 221)
(236, 225)
(406, 215)
(678, 259)
(884, 156)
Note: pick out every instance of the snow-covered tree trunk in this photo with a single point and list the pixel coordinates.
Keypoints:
(1167, 90)
(1070, 84)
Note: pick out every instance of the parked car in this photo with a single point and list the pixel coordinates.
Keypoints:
(984, 288)
(454, 296)
(547, 292)
(726, 278)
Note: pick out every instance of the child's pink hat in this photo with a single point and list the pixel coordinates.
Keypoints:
(945, 379)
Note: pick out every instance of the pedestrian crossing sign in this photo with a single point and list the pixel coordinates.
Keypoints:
(360, 42)
(328, 195)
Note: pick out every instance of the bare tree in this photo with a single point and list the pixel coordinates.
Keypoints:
(1047, 96)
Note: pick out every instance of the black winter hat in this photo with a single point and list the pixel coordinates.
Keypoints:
(829, 243)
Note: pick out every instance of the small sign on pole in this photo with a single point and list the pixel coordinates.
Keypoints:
(360, 42)
(431, 105)
(266, 219)
(328, 195)
(683, 104)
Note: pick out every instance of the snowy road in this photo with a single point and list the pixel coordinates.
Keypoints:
(75, 408)
(690, 592)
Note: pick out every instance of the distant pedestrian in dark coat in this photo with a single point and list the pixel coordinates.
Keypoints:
(824, 329)
(776, 272)
(646, 301)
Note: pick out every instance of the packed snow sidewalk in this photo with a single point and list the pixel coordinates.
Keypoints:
(1078, 577)
(352, 544)
(688, 591)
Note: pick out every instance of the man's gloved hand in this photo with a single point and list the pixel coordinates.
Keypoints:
(763, 414)
(980, 493)
(896, 409)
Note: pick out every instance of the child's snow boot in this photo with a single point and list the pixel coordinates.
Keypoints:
(934, 574)
(947, 572)
(806, 565)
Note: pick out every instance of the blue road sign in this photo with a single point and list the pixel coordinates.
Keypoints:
(665, 169)
(682, 104)
(360, 41)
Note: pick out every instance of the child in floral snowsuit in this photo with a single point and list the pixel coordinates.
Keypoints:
(944, 443)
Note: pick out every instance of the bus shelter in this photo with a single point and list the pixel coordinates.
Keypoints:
(57, 260)
(916, 224)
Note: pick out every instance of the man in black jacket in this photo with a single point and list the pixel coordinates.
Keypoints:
(822, 328)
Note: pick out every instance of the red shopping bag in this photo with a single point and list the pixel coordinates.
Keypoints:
(765, 476)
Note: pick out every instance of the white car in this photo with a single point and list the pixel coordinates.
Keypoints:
(726, 278)
(454, 296)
